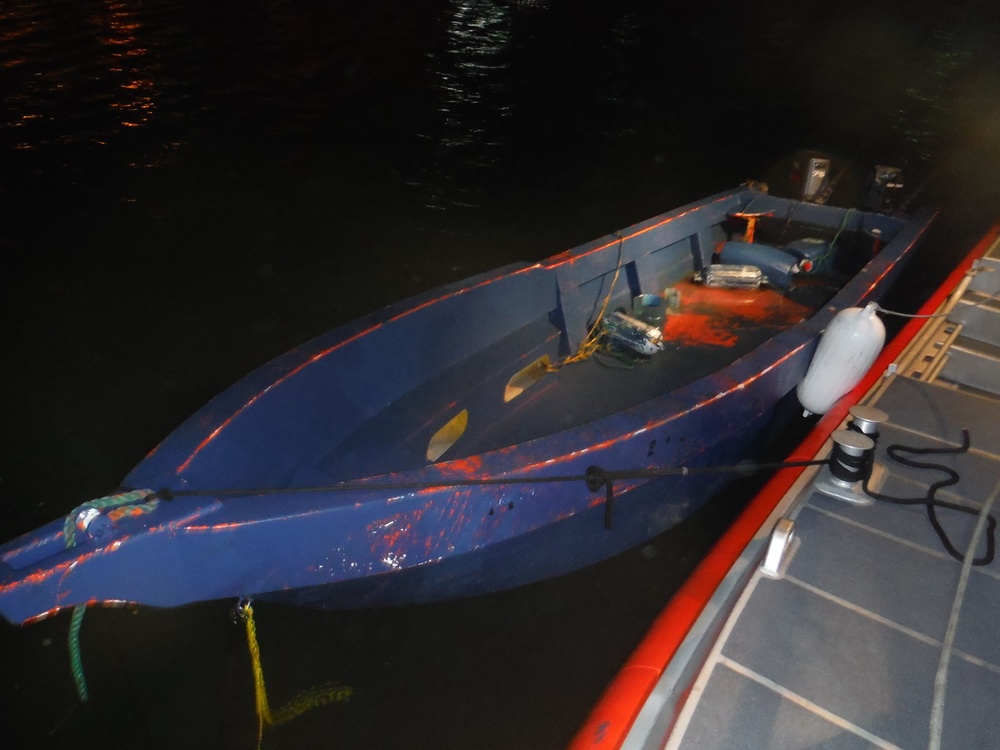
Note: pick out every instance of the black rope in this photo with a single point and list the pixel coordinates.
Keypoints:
(847, 467)
(930, 501)
(588, 478)
(595, 478)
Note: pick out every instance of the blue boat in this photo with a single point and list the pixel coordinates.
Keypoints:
(504, 429)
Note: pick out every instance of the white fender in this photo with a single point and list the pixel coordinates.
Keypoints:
(845, 352)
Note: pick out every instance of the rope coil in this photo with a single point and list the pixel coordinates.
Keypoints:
(138, 500)
(930, 501)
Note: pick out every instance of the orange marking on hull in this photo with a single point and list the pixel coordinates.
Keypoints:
(388, 531)
(42, 616)
(714, 317)
(62, 569)
(694, 329)
(390, 539)
(464, 466)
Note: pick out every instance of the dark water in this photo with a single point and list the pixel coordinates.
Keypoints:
(188, 189)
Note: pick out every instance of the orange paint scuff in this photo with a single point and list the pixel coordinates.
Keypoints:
(710, 316)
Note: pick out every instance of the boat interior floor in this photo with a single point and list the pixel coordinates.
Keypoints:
(710, 328)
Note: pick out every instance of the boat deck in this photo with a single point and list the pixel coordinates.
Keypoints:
(869, 634)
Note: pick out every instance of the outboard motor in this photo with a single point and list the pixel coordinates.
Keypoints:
(816, 176)
(885, 189)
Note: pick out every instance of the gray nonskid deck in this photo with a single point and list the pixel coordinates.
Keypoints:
(843, 649)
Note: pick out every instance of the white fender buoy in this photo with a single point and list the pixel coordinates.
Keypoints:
(845, 352)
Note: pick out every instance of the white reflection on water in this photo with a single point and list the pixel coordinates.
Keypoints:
(469, 75)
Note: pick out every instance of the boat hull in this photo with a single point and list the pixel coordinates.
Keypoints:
(243, 513)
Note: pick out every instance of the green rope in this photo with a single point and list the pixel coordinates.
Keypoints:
(121, 501)
(75, 657)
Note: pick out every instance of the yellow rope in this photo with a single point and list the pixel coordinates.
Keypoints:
(260, 692)
(304, 701)
(591, 343)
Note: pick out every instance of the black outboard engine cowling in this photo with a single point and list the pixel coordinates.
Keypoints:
(885, 189)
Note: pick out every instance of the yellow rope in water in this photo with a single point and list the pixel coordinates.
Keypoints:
(260, 692)
(307, 699)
